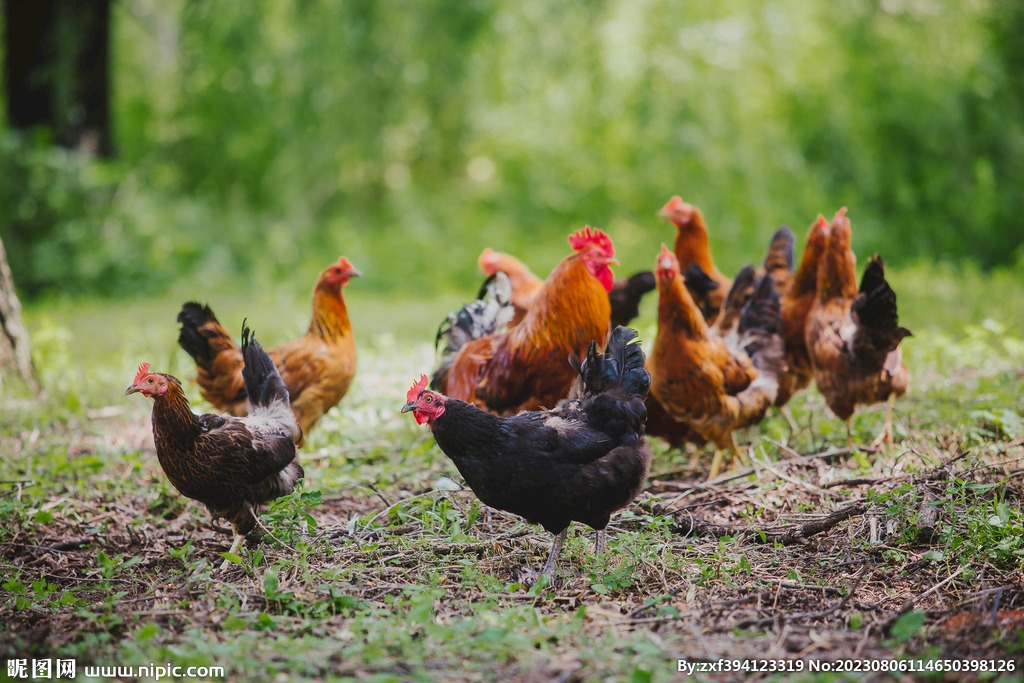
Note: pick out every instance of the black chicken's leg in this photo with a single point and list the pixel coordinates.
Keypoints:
(599, 542)
(556, 548)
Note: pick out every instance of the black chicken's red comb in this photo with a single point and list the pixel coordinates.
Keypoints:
(416, 389)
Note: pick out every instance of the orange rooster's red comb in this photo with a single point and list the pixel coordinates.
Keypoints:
(143, 371)
(588, 236)
(416, 389)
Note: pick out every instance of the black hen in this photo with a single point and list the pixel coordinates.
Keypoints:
(626, 294)
(702, 287)
(580, 462)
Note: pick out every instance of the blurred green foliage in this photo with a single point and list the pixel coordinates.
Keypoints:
(262, 139)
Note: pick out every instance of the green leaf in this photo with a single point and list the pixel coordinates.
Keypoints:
(43, 517)
(233, 622)
(147, 631)
(270, 583)
(231, 557)
(422, 611)
(907, 625)
(599, 588)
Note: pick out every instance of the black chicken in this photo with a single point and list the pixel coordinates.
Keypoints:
(580, 462)
(229, 464)
(626, 294)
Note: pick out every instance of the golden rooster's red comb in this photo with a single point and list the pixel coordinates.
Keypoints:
(592, 237)
(416, 389)
(143, 371)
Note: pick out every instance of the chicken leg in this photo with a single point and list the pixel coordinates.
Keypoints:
(234, 548)
(794, 428)
(885, 437)
(716, 463)
(849, 435)
(556, 548)
(599, 542)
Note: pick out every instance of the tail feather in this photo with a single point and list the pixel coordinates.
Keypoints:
(481, 318)
(739, 295)
(874, 311)
(780, 251)
(701, 286)
(614, 385)
(193, 317)
(620, 366)
(759, 336)
(626, 294)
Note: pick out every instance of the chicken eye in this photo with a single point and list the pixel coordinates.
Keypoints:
(150, 380)
(428, 399)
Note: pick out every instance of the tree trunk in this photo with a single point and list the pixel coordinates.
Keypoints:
(15, 356)
(57, 70)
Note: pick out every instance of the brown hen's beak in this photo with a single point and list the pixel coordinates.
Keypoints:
(132, 390)
(355, 272)
(410, 406)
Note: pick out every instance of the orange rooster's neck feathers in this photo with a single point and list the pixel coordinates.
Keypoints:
(837, 270)
(595, 248)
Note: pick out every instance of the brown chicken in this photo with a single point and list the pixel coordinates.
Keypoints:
(692, 247)
(796, 304)
(317, 368)
(230, 464)
(524, 368)
(525, 285)
(701, 380)
(853, 335)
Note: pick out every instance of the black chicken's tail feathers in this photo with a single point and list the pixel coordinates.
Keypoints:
(193, 316)
(759, 328)
(874, 309)
(621, 365)
(263, 383)
(780, 251)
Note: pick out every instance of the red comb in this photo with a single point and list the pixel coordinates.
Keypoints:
(143, 371)
(591, 237)
(674, 204)
(841, 213)
(416, 389)
(664, 252)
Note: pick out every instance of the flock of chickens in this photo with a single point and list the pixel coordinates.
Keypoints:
(725, 351)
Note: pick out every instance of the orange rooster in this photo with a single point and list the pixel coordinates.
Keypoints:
(853, 335)
(525, 285)
(796, 304)
(692, 248)
(524, 368)
(317, 368)
(702, 381)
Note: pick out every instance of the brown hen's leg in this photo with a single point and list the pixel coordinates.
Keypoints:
(234, 548)
(794, 428)
(716, 464)
(886, 436)
(849, 434)
(734, 449)
(556, 548)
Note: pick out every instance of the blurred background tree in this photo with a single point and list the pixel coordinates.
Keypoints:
(262, 139)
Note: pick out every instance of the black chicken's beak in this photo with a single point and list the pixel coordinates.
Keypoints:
(131, 390)
(408, 407)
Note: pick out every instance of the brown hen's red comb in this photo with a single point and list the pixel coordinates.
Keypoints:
(592, 237)
(143, 371)
(416, 389)
(841, 213)
(664, 252)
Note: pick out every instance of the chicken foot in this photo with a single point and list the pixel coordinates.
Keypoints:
(885, 437)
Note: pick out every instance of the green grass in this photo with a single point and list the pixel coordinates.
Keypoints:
(429, 585)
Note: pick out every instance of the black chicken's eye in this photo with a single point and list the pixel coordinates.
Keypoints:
(428, 399)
